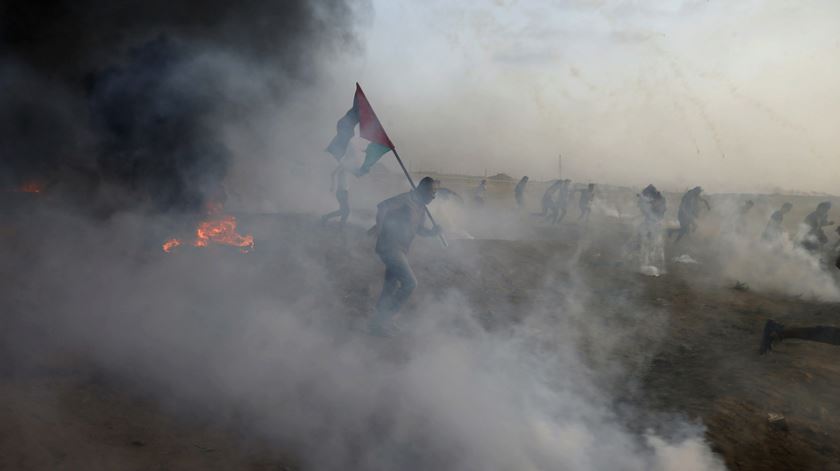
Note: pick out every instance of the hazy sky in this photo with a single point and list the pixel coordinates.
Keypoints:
(733, 95)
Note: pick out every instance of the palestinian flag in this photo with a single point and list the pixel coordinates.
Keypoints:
(369, 128)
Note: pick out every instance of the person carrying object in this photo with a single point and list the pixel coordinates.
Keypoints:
(398, 220)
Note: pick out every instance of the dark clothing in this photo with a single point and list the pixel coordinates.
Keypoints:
(816, 237)
(687, 225)
(774, 226)
(548, 198)
(561, 202)
(653, 207)
(690, 205)
(399, 283)
(519, 192)
(687, 213)
(558, 212)
(399, 219)
(820, 333)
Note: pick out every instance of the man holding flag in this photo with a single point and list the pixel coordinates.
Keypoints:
(398, 218)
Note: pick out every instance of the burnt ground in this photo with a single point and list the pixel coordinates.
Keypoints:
(694, 356)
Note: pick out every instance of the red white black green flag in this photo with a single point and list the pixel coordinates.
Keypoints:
(369, 128)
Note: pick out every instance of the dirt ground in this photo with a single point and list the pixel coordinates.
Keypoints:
(60, 411)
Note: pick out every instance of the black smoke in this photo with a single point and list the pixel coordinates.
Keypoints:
(110, 102)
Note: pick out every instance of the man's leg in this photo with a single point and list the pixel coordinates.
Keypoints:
(775, 332)
(333, 214)
(584, 214)
(343, 205)
(685, 226)
(552, 216)
(561, 216)
(384, 306)
(406, 278)
(399, 283)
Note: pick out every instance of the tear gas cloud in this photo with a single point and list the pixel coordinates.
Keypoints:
(134, 118)
(734, 245)
(271, 345)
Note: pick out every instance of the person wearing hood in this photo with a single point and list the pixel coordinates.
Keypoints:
(774, 229)
(815, 238)
(688, 212)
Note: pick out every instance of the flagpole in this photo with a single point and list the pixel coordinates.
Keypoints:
(414, 187)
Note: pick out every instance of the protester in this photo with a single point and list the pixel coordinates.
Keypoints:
(651, 237)
(338, 184)
(561, 202)
(688, 212)
(774, 230)
(815, 238)
(479, 193)
(587, 195)
(547, 201)
(397, 221)
(519, 192)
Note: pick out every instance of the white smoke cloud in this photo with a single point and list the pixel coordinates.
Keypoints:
(236, 334)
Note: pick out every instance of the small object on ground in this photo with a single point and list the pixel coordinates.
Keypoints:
(649, 270)
(772, 329)
(138, 443)
(741, 286)
(777, 421)
(685, 258)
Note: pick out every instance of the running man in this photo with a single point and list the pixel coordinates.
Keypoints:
(398, 219)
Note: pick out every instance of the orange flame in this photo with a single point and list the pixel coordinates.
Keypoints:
(218, 230)
(31, 186)
(222, 231)
(171, 244)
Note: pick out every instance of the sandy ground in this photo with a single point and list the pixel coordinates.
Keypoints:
(59, 410)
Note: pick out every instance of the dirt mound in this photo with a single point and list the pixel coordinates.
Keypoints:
(501, 176)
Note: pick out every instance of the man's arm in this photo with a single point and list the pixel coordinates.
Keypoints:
(708, 206)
